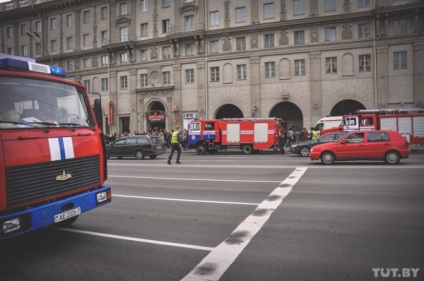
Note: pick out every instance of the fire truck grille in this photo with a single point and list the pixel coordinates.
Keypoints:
(31, 183)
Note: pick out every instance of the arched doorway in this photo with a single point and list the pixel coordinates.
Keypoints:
(228, 111)
(156, 116)
(345, 107)
(290, 113)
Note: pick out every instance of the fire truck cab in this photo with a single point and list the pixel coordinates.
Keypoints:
(52, 152)
(248, 134)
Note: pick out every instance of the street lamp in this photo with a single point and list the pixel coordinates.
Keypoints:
(35, 35)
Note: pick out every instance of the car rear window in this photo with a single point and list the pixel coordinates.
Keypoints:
(378, 136)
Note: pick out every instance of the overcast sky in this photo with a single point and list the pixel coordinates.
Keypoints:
(1, 1)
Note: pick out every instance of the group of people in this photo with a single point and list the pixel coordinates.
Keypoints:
(292, 135)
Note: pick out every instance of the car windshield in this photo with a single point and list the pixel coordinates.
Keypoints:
(28, 103)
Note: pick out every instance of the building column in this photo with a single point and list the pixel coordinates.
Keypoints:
(418, 74)
(255, 89)
(133, 102)
(114, 99)
(382, 76)
(176, 100)
(316, 106)
(201, 86)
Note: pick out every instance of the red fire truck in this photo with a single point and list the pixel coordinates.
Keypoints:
(408, 122)
(52, 152)
(248, 134)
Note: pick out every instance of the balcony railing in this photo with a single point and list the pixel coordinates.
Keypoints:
(187, 28)
(391, 3)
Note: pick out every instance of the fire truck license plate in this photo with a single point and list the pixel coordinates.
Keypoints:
(66, 215)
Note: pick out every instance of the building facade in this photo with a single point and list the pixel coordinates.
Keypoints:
(161, 63)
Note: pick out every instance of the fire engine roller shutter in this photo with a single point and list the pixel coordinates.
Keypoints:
(260, 132)
(418, 127)
(233, 133)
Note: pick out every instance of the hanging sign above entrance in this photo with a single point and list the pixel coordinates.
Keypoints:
(154, 116)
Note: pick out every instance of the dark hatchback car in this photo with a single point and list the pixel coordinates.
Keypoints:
(302, 148)
(136, 146)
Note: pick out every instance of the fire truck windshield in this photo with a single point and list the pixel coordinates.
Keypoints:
(28, 103)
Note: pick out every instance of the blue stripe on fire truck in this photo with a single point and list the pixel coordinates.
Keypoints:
(61, 148)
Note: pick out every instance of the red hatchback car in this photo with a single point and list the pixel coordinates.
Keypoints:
(389, 146)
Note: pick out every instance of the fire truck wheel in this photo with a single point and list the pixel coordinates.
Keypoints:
(327, 158)
(247, 149)
(392, 157)
(304, 151)
(139, 155)
(201, 149)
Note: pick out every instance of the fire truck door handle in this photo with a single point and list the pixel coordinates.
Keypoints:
(26, 138)
(83, 135)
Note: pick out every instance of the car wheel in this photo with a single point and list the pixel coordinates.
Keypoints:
(201, 149)
(139, 154)
(247, 149)
(327, 158)
(392, 157)
(153, 156)
(304, 151)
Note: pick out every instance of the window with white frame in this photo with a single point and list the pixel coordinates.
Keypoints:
(53, 23)
(214, 18)
(400, 27)
(104, 60)
(241, 43)
(166, 78)
(240, 14)
(144, 80)
(104, 34)
(214, 46)
(241, 72)
(86, 17)
(188, 50)
(269, 69)
(123, 82)
(144, 29)
(166, 52)
(363, 3)
(9, 50)
(364, 30)
(299, 67)
(69, 65)
(87, 84)
(53, 45)
(38, 48)
(364, 63)
(189, 76)
(69, 43)
(143, 5)
(123, 57)
(86, 40)
(166, 26)
(123, 9)
(104, 84)
(123, 34)
(298, 7)
(69, 20)
(189, 23)
(331, 65)
(143, 55)
(330, 34)
(104, 13)
(268, 10)
(37, 26)
(215, 74)
(23, 29)
(166, 3)
(86, 63)
(9, 32)
(399, 60)
(24, 50)
(269, 40)
(329, 5)
(299, 37)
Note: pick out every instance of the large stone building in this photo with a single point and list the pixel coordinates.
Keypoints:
(159, 63)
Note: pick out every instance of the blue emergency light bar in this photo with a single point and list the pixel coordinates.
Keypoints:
(27, 65)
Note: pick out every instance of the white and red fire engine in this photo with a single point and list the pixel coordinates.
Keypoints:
(52, 152)
(408, 122)
(248, 134)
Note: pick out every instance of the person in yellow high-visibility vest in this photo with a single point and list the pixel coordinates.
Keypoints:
(175, 145)
(314, 134)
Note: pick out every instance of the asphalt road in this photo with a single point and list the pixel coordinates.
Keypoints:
(238, 217)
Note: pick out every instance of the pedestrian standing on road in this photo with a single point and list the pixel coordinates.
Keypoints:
(175, 145)
(314, 134)
(282, 140)
(304, 135)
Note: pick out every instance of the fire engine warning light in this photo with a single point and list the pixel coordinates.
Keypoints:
(27, 65)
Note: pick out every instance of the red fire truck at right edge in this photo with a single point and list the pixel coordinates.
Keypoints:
(408, 122)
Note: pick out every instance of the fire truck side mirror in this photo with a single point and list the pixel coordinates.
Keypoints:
(98, 113)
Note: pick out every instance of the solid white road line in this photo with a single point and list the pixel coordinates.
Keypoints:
(185, 200)
(119, 237)
(214, 265)
(189, 179)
